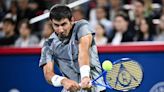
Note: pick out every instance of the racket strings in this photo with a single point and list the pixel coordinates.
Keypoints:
(125, 75)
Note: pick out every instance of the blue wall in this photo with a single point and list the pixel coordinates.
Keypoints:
(22, 71)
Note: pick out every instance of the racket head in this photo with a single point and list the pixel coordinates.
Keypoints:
(125, 75)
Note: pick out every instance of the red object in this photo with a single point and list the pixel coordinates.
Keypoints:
(101, 49)
(12, 50)
(131, 48)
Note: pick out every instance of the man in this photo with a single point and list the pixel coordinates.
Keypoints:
(72, 48)
(9, 33)
(46, 33)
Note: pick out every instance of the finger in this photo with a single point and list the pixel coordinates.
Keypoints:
(78, 86)
(66, 87)
(74, 89)
(71, 88)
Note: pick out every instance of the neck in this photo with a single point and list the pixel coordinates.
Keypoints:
(25, 37)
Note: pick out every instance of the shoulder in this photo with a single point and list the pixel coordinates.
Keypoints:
(18, 41)
(34, 38)
(81, 23)
(49, 41)
(83, 28)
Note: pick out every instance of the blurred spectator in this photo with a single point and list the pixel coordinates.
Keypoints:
(100, 35)
(122, 31)
(47, 31)
(104, 3)
(26, 39)
(139, 14)
(24, 11)
(101, 18)
(160, 34)
(99, 3)
(148, 8)
(115, 7)
(35, 10)
(12, 13)
(145, 33)
(78, 13)
(138, 10)
(9, 33)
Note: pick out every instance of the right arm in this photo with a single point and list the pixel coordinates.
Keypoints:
(47, 63)
(49, 74)
(48, 70)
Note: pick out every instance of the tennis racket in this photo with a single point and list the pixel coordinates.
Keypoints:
(126, 74)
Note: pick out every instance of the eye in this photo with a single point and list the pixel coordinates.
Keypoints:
(63, 24)
(56, 25)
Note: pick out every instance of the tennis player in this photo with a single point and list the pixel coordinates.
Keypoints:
(72, 48)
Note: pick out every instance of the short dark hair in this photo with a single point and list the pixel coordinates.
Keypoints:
(123, 15)
(9, 20)
(59, 12)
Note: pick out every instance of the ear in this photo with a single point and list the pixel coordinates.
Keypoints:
(51, 22)
(72, 20)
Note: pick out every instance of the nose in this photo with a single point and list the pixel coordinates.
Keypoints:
(60, 29)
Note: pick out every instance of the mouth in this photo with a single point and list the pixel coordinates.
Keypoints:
(62, 35)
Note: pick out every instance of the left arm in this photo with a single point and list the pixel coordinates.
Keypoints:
(84, 45)
(84, 59)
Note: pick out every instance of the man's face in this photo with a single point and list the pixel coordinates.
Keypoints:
(100, 13)
(138, 8)
(63, 27)
(120, 24)
(7, 27)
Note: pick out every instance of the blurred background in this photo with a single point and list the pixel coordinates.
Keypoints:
(115, 21)
(124, 28)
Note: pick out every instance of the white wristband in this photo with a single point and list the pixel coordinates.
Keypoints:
(56, 80)
(84, 71)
